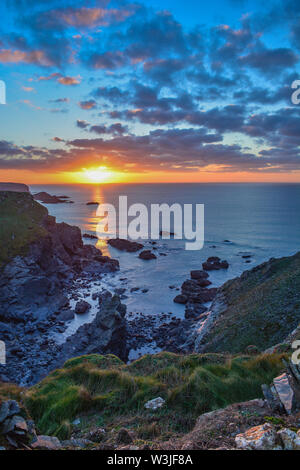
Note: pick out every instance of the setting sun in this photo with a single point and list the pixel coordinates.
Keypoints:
(97, 175)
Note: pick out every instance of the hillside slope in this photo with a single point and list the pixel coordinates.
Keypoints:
(21, 221)
(261, 308)
(103, 389)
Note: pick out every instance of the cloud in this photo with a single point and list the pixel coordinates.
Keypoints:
(60, 100)
(37, 57)
(87, 105)
(268, 61)
(107, 60)
(82, 124)
(114, 129)
(62, 79)
(88, 17)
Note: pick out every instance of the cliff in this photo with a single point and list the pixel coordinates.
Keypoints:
(260, 308)
(15, 187)
(39, 262)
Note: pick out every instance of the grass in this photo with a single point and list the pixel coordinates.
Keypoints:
(102, 388)
(20, 224)
(263, 307)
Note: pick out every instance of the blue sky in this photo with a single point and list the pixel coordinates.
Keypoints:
(185, 88)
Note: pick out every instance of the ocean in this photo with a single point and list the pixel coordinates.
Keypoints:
(261, 220)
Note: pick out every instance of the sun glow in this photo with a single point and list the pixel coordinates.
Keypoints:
(97, 175)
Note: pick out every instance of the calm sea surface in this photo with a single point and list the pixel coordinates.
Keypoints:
(259, 219)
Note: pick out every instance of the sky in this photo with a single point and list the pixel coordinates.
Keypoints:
(149, 91)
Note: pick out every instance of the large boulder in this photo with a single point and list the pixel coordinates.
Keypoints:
(261, 437)
(106, 334)
(82, 307)
(147, 255)
(125, 245)
(215, 263)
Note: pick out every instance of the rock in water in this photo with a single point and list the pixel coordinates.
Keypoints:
(214, 263)
(180, 299)
(48, 198)
(82, 306)
(147, 255)
(199, 274)
(125, 245)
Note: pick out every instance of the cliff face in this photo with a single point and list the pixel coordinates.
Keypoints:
(39, 257)
(39, 260)
(15, 187)
(261, 308)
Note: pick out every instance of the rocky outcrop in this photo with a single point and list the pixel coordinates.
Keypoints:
(15, 187)
(34, 288)
(215, 263)
(49, 199)
(81, 307)
(106, 333)
(265, 437)
(125, 245)
(284, 393)
(195, 293)
(147, 255)
(17, 431)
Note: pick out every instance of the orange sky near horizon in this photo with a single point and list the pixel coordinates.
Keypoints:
(40, 178)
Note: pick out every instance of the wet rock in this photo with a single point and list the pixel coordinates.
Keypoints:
(48, 199)
(66, 315)
(194, 310)
(199, 274)
(82, 307)
(194, 292)
(180, 299)
(106, 334)
(89, 236)
(147, 255)
(215, 263)
(125, 245)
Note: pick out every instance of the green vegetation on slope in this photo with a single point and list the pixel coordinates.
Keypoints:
(106, 388)
(20, 223)
(263, 307)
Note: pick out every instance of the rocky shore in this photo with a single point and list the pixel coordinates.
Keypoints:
(34, 292)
